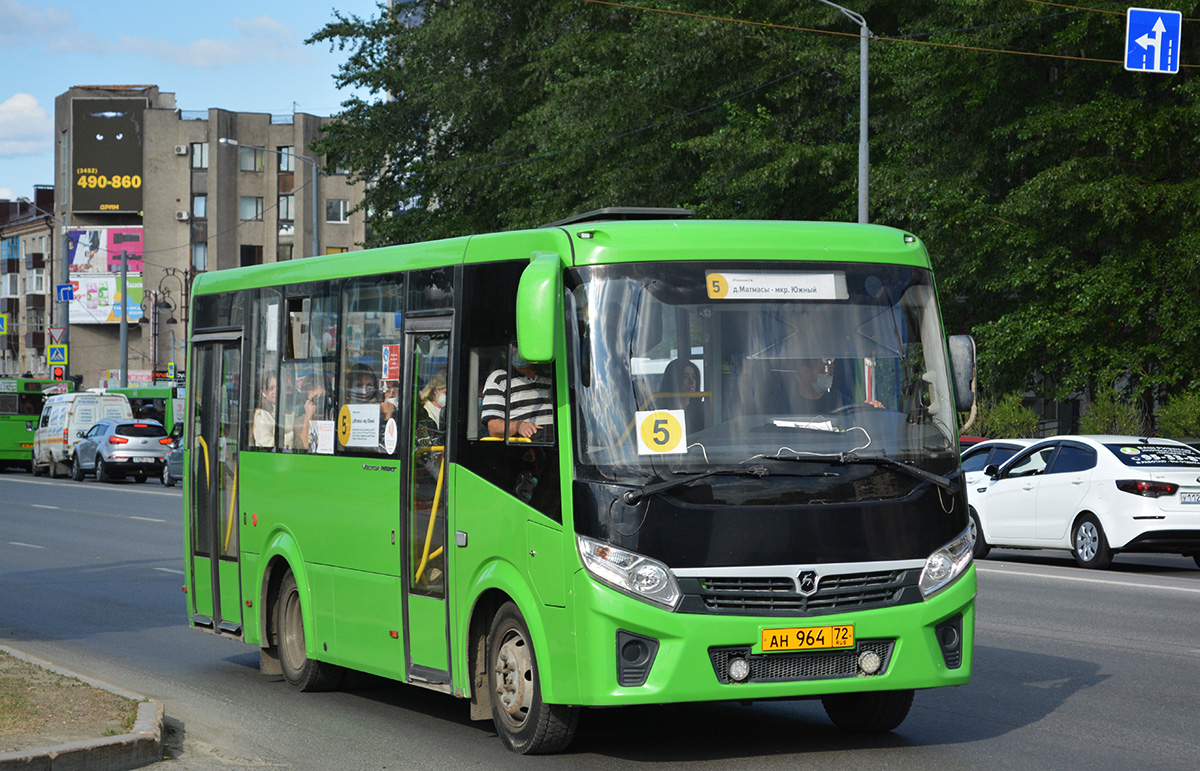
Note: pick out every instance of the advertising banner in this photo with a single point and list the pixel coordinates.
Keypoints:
(106, 155)
(98, 298)
(99, 250)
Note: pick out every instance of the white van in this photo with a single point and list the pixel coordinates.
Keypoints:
(63, 418)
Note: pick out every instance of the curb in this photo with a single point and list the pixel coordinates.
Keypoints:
(141, 747)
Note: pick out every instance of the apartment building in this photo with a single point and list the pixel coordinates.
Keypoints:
(163, 194)
(27, 233)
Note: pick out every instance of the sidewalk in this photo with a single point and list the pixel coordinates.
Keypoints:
(138, 748)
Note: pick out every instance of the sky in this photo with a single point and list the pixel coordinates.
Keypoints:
(246, 56)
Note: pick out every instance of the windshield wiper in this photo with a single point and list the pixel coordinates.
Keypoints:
(633, 496)
(875, 460)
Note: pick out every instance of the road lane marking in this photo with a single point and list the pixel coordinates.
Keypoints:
(42, 506)
(1079, 579)
(26, 545)
(171, 570)
(147, 519)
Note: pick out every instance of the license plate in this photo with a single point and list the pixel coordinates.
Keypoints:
(144, 460)
(808, 638)
(1189, 497)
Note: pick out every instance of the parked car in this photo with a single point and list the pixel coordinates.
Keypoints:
(115, 449)
(173, 469)
(64, 418)
(1093, 495)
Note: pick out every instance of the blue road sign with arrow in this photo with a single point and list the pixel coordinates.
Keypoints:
(1152, 40)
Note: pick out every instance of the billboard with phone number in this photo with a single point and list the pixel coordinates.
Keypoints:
(106, 154)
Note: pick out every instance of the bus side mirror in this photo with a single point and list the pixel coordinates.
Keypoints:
(538, 296)
(962, 370)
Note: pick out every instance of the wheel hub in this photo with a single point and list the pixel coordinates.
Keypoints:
(1086, 541)
(514, 677)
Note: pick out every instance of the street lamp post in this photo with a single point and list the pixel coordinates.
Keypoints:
(312, 194)
(863, 150)
(163, 302)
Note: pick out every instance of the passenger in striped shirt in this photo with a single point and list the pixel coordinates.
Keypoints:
(532, 408)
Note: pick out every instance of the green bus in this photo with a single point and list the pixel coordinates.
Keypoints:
(161, 402)
(627, 458)
(21, 401)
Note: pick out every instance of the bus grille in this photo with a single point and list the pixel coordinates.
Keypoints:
(780, 595)
(807, 665)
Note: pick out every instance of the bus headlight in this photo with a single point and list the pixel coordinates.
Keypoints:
(629, 572)
(946, 564)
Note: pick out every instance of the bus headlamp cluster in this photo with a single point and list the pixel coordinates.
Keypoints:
(946, 564)
(629, 572)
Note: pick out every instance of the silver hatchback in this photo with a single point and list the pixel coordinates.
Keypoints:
(115, 449)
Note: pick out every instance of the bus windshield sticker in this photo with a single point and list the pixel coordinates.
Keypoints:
(320, 437)
(661, 432)
(391, 436)
(775, 286)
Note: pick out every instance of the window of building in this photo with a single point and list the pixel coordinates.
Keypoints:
(287, 207)
(284, 252)
(287, 157)
(34, 321)
(251, 207)
(337, 210)
(200, 206)
(200, 256)
(336, 250)
(252, 158)
(251, 254)
(35, 281)
(10, 285)
(199, 155)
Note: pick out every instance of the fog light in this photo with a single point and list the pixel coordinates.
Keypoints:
(739, 670)
(869, 662)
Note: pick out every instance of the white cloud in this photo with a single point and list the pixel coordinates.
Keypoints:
(25, 127)
(256, 40)
(6, 194)
(25, 25)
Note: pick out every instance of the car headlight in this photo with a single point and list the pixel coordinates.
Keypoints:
(946, 564)
(629, 572)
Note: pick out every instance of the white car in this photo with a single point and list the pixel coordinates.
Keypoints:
(1093, 495)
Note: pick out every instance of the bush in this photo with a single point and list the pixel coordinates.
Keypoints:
(1111, 413)
(1005, 419)
(1180, 416)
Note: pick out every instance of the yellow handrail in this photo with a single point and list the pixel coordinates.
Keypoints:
(232, 511)
(437, 496)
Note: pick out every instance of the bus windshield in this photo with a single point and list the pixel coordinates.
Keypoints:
(682, 367)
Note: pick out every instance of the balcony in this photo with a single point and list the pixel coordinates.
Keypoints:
(35, 340)
(10, 265)
(35, 260)
(10, 306)
(35, 302)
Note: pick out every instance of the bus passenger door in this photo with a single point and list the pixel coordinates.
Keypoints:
(212, 487)
(426, 627)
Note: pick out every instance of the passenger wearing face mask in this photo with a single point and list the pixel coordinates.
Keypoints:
(431, 429)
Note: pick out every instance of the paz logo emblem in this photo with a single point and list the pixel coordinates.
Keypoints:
(808, 583)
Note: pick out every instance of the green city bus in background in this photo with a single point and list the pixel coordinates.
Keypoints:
(746, 483)
(21, 401)
(162, 402)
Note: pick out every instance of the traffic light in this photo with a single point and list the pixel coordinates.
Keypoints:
(59, 373)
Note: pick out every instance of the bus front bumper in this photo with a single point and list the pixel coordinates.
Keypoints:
(630, 652)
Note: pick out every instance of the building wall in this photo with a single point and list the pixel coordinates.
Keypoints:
(172, 229)
(27, 241)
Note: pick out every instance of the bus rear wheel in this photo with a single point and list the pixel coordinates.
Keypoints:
(298, 669)
(872, 712)
(525, 723)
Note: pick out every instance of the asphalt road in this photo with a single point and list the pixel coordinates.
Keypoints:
(1074, 668)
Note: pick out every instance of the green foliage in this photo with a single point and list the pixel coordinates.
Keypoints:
(1059, 194)
(1007, 418)
(1180, 416)
(1110, 412)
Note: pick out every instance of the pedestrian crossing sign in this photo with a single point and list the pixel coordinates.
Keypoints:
(56, 354)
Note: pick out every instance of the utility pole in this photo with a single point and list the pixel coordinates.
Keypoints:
(864, 162)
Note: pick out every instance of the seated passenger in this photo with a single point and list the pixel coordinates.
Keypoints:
(680, 390)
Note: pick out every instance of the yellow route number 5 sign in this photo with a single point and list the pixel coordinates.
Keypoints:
(661, 432)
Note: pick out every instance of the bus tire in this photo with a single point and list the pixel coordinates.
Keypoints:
(298, 669)
(76, 469)
(525, 724)
(871, 712)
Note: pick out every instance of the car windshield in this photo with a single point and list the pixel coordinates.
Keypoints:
(141, 429)
(1151, 455)
(679, 367)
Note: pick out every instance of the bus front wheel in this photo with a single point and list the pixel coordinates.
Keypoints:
(872, 712)
(298, 669)
(526, 724)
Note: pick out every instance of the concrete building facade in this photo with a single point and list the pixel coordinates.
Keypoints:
(27, 238)
(210, 190)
